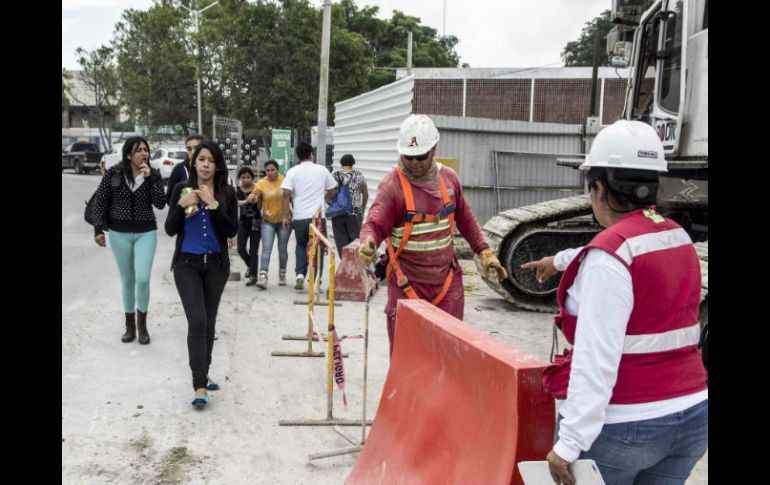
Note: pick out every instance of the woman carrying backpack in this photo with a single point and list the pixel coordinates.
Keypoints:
(123, 204)
(347, 224)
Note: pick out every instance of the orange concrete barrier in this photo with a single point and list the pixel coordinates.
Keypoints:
(353, 280)
(458, 407)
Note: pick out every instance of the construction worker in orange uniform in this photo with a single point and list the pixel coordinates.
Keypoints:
(416, 209)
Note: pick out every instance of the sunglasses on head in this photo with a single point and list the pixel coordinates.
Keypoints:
(418, 157)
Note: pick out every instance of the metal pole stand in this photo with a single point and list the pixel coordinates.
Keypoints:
(356, 447)
(311, 304)
(330, 420)
(316, 301)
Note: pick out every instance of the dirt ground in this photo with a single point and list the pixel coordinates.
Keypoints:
(126, 413)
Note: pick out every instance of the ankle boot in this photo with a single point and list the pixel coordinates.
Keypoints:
(141, 323)
(130, 334)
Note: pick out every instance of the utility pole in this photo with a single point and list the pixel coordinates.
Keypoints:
(409, 53)
(323, 87)
(196, 18)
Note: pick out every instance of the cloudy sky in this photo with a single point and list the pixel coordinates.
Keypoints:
(492, 33)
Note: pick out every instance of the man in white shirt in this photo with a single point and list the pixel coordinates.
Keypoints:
(306, 185)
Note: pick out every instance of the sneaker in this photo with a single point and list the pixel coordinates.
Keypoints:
(262, 281)
(251, 281)
(300, 282)
(247, 275)
(282, 278)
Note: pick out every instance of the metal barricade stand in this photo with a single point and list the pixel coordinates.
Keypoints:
(329, 420)
(356, 446)
(311, 301)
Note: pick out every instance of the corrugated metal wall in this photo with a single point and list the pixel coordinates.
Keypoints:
(367, 127)
(526, 155)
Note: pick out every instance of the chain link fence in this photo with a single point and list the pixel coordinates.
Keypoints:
(251, 146)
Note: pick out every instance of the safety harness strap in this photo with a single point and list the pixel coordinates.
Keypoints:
(413, 217)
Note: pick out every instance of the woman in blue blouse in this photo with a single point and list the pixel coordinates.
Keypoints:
(202, 214)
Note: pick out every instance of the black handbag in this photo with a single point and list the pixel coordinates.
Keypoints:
(88, 215)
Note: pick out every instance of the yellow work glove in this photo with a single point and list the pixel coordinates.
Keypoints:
(367, 252)
(489, 261)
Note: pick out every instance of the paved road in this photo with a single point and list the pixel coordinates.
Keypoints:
(126, 414)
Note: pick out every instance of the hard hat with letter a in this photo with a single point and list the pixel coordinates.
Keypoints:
(417, 135)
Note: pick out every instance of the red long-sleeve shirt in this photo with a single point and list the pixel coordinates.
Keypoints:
(389, 210)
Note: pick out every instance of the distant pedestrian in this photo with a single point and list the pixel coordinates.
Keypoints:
(306, 185)
(181, 171)
(249, 224)
(123, 204)
(346, 227)
(202, 219)
(268, 192)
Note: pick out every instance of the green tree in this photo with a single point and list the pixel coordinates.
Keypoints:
(259, 61)
(156, 67)
(65, 87)
(264, 62)
(99, 76)
(387, 41)
(581, 52)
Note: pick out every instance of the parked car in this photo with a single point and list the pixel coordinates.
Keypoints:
(111, 158)
(82, 157)
(164, 159)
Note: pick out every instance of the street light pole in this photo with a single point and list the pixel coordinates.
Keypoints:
(196, 17)
(444, 34)
(323, 85)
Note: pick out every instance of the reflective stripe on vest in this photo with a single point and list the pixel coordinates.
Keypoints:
(663, 341)
(422, 228)
(432, 245)
(656, 241)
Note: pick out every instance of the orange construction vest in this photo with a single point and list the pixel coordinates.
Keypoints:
(413, 217)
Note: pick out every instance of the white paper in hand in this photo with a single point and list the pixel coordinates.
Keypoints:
(536, 473)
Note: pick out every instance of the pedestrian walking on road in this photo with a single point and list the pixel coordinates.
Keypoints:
(202, 219)
(347, 226)
(306, 186)
(249, 224)
(634, 384)
(123, 205)
(181, 171)
(415, 211)
(267, 192)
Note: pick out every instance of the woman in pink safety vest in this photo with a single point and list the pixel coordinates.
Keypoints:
(633, 384)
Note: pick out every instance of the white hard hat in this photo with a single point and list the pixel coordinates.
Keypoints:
(417, 135)
(627, 144)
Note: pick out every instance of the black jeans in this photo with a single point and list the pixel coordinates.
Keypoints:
(302, 235)
(245, 233)
(346, 230)
(200, 285)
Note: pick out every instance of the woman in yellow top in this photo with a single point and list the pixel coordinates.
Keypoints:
(268, 191)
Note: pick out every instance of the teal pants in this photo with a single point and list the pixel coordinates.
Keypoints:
(134, 252)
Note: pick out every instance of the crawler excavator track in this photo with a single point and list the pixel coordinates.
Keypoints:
(532, 232)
